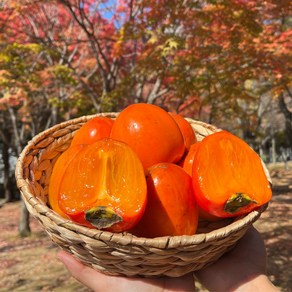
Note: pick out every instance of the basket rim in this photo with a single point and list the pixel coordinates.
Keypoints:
(165, 242)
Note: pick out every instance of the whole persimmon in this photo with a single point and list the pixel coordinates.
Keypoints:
(171, 208)
(151, 132)
(93, 130)
(103, 186)
(228, 176)
(186, 130)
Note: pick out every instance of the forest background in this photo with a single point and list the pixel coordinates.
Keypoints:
(225, 62)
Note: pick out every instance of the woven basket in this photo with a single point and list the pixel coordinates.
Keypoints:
(119, 253)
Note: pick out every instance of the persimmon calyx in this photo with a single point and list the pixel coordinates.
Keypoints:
(238, 201)
(102, 217)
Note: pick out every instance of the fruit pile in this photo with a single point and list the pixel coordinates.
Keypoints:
(146, 173)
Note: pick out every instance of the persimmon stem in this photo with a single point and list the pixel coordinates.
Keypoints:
(102, 217)
(238, 201)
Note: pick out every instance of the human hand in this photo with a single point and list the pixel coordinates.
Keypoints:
(241, 269)
(100, 282)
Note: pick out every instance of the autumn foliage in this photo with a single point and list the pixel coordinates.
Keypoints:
(181, 55)
(215, 61)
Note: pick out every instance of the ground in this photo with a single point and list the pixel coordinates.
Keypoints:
(30, 264)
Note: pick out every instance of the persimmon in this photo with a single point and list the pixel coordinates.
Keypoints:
(228, 176)
(151, 132)
(56, 178)
(186, 130)
(206, 216)
(93, 130)
(187, 163)
(103, 186)
(171, 208)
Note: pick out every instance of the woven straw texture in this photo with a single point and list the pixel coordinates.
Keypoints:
(120, 253)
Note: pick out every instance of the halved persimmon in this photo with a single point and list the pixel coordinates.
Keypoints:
(151, 132)
(103, 186)
(206, 216)
(60, 167)
(93, 130)
(228, 176)
(186, 130)
(171, 208)
(187, 163)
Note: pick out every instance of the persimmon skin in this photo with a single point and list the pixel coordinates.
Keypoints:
(106, 174)
(187, 163)
(186, 130)
(57, 175)
(226, 168)
(171, 208)
(93, 130)
(151, 132)
(206, 216)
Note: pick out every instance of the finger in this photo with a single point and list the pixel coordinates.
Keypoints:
(185, 283)
(256, 246)
(101, 282)
(85, 275)
(251, 242)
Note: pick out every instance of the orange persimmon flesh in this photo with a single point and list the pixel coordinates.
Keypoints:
(228, 176)
(187, 165)
(57, 175)
(103, 186)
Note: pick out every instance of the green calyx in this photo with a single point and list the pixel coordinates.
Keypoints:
(102, 217)
(238, 201)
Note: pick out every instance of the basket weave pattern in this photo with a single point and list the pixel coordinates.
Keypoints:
(119, 253)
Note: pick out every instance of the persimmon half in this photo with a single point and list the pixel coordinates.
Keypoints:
(63, 161)
(171, 208)
(103, 186)
(186, 130)
(151, 132)
(93, 130)
(187, 163)
(228, 176)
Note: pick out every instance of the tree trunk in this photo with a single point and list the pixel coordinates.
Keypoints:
(6, 174)
(23, 228)
(274, 150)
(8, 179)
(288, 118)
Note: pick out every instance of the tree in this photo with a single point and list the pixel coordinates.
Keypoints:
(37, 89)
(65, 58)
(169, 52)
